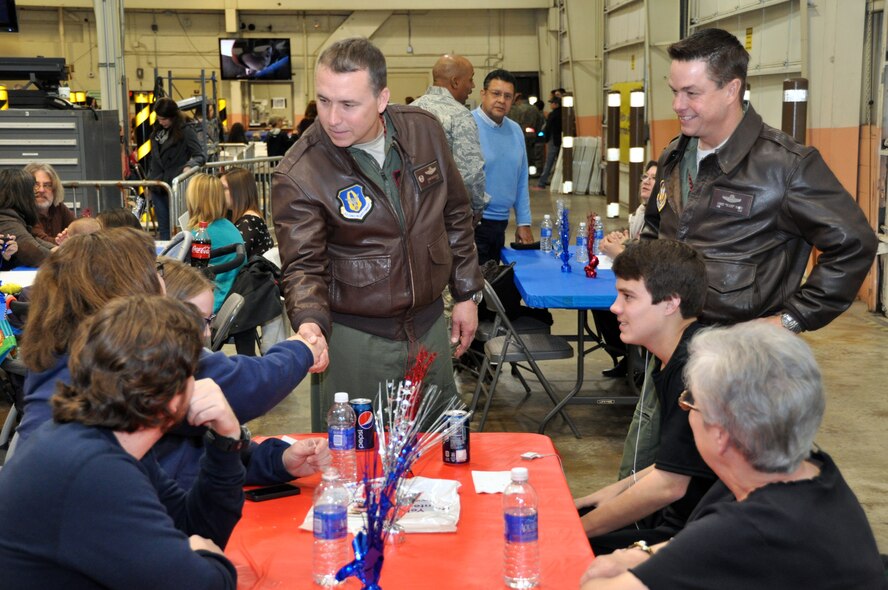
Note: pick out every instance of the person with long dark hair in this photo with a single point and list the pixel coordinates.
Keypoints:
(174, 149)
(18, 215)
(242, 198)
(238, 134)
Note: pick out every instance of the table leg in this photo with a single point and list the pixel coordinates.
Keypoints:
(571, 397)
(581, 367)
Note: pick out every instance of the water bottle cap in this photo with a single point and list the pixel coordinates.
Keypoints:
(519, 473)
(340, 397)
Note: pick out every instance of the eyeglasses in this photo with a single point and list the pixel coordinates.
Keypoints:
(209, 320)
(159, 267)
(645, 177)
(686, 401)
(507, 96)
(42, 185)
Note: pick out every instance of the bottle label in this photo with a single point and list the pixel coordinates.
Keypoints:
(521, 528)
(546, 232)
(581, 241)
(341, 439)
(330, 522)
(201, 251)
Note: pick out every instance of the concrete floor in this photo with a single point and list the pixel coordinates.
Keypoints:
(851, 352)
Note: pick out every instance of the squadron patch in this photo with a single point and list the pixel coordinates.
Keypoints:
(355, 204)
(428, 175)
(661, 196)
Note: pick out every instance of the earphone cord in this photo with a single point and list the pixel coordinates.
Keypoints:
(644, 388)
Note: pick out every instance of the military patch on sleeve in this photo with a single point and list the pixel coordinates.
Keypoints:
(428, 175)
(661, 196)
(355, 204)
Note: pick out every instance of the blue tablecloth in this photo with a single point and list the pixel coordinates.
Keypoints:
(541, 283)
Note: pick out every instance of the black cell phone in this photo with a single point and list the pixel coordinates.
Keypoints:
(533, 246)
(280, 490)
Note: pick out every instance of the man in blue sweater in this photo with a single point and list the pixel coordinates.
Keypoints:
(85, 503)
(505, 167)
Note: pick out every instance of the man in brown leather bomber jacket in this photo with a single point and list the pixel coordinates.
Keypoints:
(752, 200)
(373, 221)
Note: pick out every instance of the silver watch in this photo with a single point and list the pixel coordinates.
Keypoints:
(478, 297)
(790, 323)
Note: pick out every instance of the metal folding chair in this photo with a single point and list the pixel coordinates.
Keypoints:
(223, 321)
(514, 347)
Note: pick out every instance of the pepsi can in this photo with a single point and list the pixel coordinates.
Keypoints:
(456, 445)
(365, 425)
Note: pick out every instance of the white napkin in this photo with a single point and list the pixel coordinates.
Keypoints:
(491, 482)
(435, 511)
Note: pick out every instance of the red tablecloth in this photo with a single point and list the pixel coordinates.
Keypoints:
(270, 551)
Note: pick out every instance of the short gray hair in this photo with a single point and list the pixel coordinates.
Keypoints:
(762, 385)
(353, 55)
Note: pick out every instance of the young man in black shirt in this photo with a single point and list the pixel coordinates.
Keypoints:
(661, 286)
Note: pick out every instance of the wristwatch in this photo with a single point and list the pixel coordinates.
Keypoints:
(790, 323)
(478, 297)
(228, 444)
(643, 546)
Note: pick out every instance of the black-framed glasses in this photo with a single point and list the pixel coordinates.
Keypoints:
(159, 266)
(209, 320)
(686, 401)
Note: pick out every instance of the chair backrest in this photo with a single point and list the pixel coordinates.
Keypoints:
(495, 305)
(237, 248)
(221, 325)
(179, 248)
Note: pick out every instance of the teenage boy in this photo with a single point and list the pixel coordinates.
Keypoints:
(661, 286)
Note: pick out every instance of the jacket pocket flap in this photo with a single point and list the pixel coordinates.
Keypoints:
(439, 251)
(361, 272)
(726, 277)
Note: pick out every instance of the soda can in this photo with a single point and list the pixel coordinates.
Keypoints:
(365, 425)
(456, 446)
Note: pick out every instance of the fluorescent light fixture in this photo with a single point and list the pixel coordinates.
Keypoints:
(636, 155)
(613, 154)
(613, 99)
(567, 141)
(613, 210)
(567, 101)
(636, 98)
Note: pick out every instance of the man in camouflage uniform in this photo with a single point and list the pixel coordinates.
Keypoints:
(453, 83)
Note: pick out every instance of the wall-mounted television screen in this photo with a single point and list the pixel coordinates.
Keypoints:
(255, 59)
(8, 20)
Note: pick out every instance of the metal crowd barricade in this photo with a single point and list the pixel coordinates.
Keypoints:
(82, 196)
(262, 169)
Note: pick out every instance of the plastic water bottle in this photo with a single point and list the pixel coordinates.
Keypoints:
(521, 565)
(582, 243)
(556, 236)
(330, 522)
(546, 234)
(599, 235)
(341, 438)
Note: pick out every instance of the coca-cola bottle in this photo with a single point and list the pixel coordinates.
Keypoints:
(201, 246)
